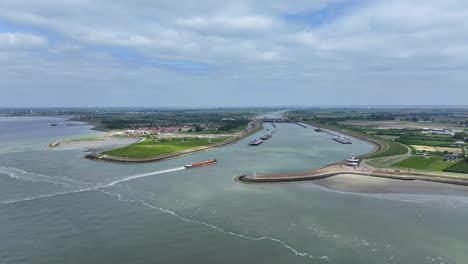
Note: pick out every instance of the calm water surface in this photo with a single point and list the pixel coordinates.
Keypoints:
(57, 207)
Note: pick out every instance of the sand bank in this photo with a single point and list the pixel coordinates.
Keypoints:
(98, 144)
(365, 184)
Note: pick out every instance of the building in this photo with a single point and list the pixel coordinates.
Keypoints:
(133, 132)
(453, 157)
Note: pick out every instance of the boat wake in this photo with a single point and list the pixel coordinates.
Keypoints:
(84, 187)
(137, 176)
(79, 186)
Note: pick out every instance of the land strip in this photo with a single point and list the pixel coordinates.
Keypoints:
(339, 169)
(109, 158)
(380, 146)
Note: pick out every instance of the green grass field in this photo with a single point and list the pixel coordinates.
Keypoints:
(394, 149)
(151, 148)
(460, 167)
(434, 163)
(233, 130)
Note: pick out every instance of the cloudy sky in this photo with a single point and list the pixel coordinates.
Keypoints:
(233, 53)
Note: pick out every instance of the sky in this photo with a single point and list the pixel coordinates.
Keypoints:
(211, 53)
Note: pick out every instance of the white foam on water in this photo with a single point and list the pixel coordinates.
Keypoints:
(19, 174)
(101, 187)
(263, 238)
(11, 173)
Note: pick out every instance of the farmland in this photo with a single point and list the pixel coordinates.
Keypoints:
(436, 149)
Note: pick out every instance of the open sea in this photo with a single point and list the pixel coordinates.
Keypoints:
(58, 207)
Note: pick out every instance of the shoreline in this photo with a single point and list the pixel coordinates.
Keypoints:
(376, 144)
(124, 160)
(350, 183)
(96, 144)
(337, 168)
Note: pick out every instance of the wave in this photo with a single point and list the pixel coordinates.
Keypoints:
(262, 238)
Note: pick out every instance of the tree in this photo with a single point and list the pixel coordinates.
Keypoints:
(460, 135)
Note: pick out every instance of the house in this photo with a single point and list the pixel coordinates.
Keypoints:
(453, 157)
(133, 132)
(142, 132)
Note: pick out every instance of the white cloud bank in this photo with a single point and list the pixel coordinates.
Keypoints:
(21, 40)
(376, 49)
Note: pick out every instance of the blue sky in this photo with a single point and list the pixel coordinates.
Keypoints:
(233, 53)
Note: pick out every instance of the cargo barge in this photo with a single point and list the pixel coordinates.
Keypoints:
(255, 142)
(342, 140)
(200, 163)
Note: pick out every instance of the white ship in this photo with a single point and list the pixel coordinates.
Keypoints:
(353, 161)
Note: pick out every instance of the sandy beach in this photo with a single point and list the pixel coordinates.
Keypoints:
(98, 144)
(367, 184)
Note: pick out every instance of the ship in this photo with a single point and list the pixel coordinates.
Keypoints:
(353, 161)
(265, 137)
(255, 142)
(53, 124)
(342, 140)
(318, 130)
(200, 163)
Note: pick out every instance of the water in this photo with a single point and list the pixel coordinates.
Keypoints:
(57, 207)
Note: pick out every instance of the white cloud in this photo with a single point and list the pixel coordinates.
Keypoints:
(21, 40)
(227, 22)
(252, 42)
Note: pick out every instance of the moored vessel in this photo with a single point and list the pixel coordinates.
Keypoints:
(255, 142)
(265, 137)
(342, 140)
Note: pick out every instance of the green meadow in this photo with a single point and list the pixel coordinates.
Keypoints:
(434, 163)
(151, 146)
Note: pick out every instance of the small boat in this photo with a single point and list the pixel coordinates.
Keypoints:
(200, 163)
(265, 137)
(318, 130)
(53, 124)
